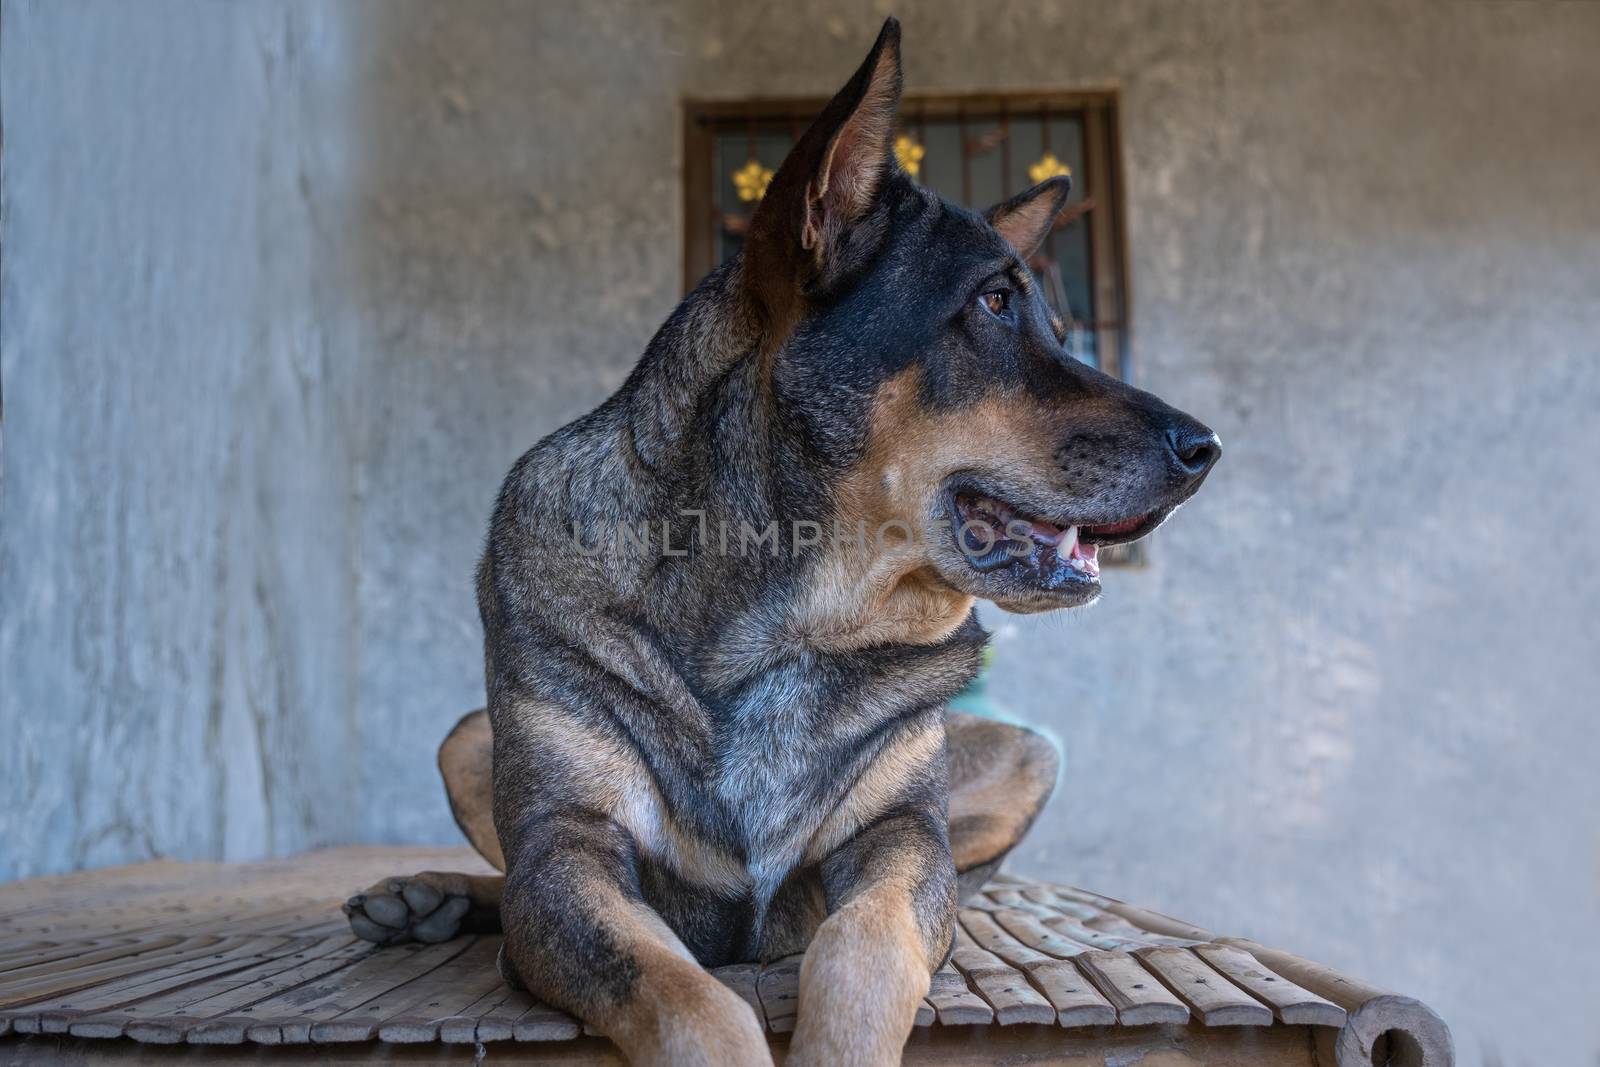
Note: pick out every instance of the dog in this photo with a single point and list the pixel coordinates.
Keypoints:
(703, 746)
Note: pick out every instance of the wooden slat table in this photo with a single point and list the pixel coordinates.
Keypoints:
(228, 962)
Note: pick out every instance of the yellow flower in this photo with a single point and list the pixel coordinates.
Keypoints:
(910, 154)
(1047, 167)
(751, 181)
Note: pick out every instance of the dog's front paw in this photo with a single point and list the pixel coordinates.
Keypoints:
(405, 909)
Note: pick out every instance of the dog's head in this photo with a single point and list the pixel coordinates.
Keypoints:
(911, 349)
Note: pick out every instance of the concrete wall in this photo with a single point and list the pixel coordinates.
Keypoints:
(286, 287)
(180, 497)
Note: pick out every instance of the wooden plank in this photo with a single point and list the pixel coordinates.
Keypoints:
(15, 985)
(1091, 938)
(161, 1017)
(201, 952)
(222, 1019)
(80, 888)
(1006, 988)
(944, 1046)
(1138, 995)
(992, 937)
(361, 1023)
(57, 1015)
(742, 978)
(1067, 909)
(182, 921)
(1374, 1012)
(1099, 918)
(778, 987)
(1349, 993)
(159, 953)
(1015, 900)
(164, 887)
(954, 1003)
(289, 1017)
(38, 952)
(1074, 997)
(174, 893)
(499, 1023)
(135, 985)
(1002, 878)
(122, 913)
(1290, 1003)
(462, 1028)
(444, 996)
(541, 1022)
(1081, 896)
(1210, 996)
(1031, 932)
(1157, 923)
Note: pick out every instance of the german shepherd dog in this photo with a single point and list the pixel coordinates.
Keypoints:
(703, 747)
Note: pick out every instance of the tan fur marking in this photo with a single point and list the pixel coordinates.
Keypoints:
(1030, 218)
(466, 761)
(681, 1014)
(1023, 280)
(862, 596)
(861, 981)
(1000, 777)
(616, 783)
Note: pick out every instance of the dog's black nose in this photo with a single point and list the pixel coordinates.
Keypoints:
(1195, 449)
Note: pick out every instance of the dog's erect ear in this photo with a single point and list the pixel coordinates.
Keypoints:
(855, 134)
(1026, 218)
(832, 176)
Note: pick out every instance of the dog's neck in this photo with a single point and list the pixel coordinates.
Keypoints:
(705, 421)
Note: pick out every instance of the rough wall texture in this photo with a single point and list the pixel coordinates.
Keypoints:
(177, 563)
(287, 287)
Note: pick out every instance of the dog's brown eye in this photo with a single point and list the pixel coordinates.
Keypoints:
(996, 301)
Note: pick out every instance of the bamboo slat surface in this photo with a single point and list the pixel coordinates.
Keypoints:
(210, 953)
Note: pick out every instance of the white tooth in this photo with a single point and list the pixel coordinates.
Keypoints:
(1069, 541)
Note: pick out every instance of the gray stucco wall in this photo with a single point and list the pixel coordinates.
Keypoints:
(284, 289)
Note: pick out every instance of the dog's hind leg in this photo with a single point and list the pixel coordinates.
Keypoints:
(1000, 777)
(466, 762)
(437, 905)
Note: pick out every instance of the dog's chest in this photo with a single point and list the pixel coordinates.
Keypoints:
(789, 754)
(773, 775)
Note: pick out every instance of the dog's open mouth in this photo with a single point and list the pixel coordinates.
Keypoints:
(993, 535)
